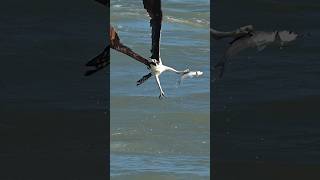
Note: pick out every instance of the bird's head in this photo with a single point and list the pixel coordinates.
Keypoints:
(153, 62)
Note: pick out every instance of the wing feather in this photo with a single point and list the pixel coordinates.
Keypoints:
(99, 62)
(118, 46)
(153, 8)
(103, 59)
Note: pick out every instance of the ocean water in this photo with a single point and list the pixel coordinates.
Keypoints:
(169, 138)
(265, 107)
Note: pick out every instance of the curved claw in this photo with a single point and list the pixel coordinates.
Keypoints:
(161, 96)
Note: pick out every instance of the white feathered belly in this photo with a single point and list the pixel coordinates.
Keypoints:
(158, 69)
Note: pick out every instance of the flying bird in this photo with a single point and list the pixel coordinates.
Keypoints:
(156, 67)
(246, 37)
(154, 64)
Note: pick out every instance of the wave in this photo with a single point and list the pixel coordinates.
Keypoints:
(125, 165)
(191, 22)
(189, 13)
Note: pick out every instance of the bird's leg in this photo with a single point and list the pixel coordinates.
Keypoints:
(167, 68)
(144, 78)
(158, 83)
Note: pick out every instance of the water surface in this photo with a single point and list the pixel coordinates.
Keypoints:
(152, 138)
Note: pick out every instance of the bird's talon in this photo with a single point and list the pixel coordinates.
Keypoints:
(161, 96)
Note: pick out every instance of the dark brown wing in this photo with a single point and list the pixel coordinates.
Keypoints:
(104, 2)
(153, 8)
(103, 59)
(99, 62)
(118, 46)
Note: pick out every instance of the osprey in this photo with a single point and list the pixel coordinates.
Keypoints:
(154, 64)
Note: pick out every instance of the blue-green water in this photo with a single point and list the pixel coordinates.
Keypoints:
(152, 138)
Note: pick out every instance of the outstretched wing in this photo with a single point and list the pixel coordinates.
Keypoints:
(99, 62)
(153, 8)
(103, 59)
(118, 46)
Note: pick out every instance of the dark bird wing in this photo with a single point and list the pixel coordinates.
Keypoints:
(103, 59)
(100, 61)
(118, 46)
(153, 8)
